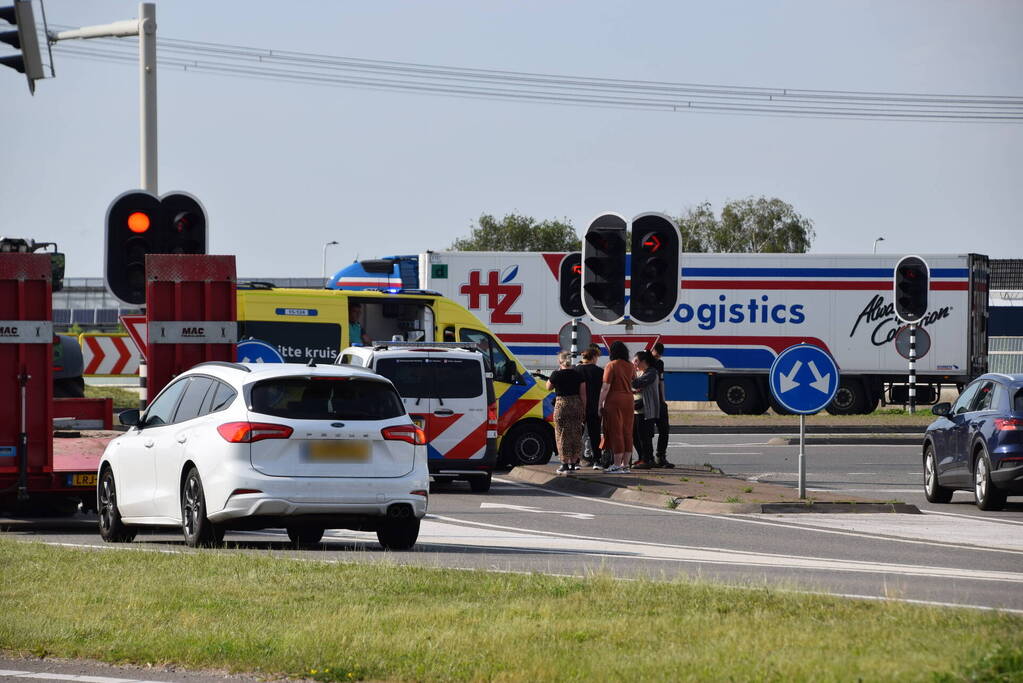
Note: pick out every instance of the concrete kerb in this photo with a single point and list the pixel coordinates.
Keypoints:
(833, 440)
(601, 489)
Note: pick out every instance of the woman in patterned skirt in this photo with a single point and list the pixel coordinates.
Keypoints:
(569, 412)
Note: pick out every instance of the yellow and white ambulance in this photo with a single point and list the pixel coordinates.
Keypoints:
(302, 325)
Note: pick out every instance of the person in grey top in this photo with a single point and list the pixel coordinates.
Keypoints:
(648, 385)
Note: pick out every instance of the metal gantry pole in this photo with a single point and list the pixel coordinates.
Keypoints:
(912, 368)
(147, 95)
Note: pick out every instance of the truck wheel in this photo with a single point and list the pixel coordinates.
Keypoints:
(398, 534)
(850, 399)
(69, 387)
(198, 529)
(739, 396)
(111, 528)
(778, 408)
(528, 444)
(304, 536)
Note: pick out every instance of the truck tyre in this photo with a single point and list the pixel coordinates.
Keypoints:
(69, 387)
(528, 444)
(778, 408)
(399, 534)
(111, 528)
(199, 531)
(739, 396)
(305, 536)
(850, 399)
(935, 492)
(480, 484)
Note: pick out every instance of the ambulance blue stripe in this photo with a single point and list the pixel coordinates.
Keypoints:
(514, 393)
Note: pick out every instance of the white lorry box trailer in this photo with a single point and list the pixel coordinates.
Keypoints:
(736, 313)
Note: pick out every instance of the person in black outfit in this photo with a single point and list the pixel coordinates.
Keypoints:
(593, 377)
(662, 420)
(569, 412)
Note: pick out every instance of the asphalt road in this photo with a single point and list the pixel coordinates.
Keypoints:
(946, 556)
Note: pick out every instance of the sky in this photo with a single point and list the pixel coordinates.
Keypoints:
(283, 168)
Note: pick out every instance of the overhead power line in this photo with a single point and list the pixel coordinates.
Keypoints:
(426, 79)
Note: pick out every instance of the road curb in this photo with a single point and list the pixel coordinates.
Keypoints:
(909, 440)
(787, 429)
(594, 489)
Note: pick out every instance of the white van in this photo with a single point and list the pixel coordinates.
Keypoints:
(448, 391)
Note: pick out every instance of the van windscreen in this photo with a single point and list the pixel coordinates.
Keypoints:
(433, 377)
(326, 398)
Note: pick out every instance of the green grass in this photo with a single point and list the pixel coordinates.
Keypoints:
(124, 399)
(269, 615)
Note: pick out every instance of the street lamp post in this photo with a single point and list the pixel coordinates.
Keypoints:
(879, 239)
(324, 273)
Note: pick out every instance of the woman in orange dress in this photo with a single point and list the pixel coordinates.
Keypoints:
(616, 405)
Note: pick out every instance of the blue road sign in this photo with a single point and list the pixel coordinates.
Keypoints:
(255, 351)
(804, 379)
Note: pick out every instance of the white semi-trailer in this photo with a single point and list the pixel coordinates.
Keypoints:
(735, 314)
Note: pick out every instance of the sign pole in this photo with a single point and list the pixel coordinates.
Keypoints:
(575, 338)
(802, 457)
(912, 368)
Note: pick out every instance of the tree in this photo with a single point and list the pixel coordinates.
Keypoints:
(760, 225)
(519, 233)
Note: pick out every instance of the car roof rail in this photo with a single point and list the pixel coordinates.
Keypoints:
(224, 364)
(423, 345)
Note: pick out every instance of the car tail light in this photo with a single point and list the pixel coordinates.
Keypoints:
(242, 492)
(407, 433)
(1008, 424)
(249, 432)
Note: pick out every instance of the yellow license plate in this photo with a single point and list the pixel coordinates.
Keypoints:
(83, 479)
(338, 451)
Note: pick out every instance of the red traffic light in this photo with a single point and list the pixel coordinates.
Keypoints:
(651, 242)
(138, 222)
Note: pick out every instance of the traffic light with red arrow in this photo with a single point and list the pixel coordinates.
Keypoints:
(655, 268)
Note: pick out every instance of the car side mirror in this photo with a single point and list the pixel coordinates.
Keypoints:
(942, 409)
(129, 418)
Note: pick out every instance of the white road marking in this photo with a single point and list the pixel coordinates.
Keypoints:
(751, 519)
(965, 516)
(43, 675)
(526, 508)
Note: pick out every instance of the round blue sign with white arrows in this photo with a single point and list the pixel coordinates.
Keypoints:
(804, 379)
(255, 351)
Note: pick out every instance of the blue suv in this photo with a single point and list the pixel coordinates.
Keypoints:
(977, 443)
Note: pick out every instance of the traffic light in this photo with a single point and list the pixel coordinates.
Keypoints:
(912, 282)
(184, 230)
(604, 269)
(132, 232)
(24, 38)
(655, 273)
(140, 223)
(570, 280)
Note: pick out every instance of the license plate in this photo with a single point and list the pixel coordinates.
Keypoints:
(338, 451)
(83, 479)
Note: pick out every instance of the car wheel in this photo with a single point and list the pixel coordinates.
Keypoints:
(304, 536)
(198, 529)
(111, 528)
(398, 534)
(739, 396)
(480, 484)
(528, 444)
(988, 497)
(935, 492)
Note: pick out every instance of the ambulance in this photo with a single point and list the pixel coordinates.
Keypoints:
(302, 325)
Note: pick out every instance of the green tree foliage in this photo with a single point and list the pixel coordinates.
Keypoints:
(751, 225)
(519, 233)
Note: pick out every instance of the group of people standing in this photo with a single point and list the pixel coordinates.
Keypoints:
(602, 414)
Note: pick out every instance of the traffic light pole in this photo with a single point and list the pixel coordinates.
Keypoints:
(145, 28)
(912, 368)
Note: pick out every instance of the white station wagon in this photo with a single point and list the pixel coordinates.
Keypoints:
(254, 446)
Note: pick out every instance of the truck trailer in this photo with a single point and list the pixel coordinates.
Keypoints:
(735, 314)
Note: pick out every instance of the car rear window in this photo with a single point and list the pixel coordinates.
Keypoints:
(1017, 402)
(433, 377)
(326, 398)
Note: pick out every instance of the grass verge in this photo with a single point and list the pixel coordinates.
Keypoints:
(266, 614)
(124, 399)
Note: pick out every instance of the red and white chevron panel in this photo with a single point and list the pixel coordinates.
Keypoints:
(109, 355)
